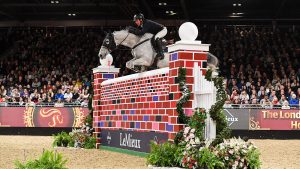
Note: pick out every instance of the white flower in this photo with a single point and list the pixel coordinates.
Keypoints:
(192, 142)
(236, 163)
(241, 164)
(186, 130)
(242, 160)
(197, 140)
(193, 131)
(192, 135)
(226, 158)
(230, 151)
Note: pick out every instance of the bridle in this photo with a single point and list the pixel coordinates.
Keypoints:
(112, 46)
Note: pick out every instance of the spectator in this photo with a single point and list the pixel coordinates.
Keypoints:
(59, 95)
(294, 102)
(68, 96)
(266, 103)
(244, 97)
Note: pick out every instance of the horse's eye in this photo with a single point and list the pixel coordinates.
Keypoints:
(107, 41)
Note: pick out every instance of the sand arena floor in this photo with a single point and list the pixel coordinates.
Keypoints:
(275, 154)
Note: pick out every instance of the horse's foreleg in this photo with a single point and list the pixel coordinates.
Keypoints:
(164, 62)
(130, 64)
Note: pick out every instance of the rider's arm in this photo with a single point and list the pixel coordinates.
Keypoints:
(136, 31)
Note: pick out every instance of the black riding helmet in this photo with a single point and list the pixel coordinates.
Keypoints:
(138, 16)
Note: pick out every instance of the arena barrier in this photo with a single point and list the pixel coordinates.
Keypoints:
(48, 117)
(131, 111)
(263, 119)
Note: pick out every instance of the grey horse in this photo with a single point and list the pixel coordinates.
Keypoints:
(141, 48)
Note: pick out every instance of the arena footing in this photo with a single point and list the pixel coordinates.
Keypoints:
(33, 131)
(267, 134)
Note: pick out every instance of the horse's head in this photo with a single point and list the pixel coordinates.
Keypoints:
(108, 45)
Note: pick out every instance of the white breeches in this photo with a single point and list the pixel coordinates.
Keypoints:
(161, 33)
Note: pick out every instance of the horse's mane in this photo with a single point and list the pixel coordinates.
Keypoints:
(126, 30)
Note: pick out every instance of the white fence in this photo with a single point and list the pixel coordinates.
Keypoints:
(204, 97)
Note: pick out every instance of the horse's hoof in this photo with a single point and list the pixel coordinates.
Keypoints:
(137, 68)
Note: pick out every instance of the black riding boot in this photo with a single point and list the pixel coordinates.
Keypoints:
(160, 52)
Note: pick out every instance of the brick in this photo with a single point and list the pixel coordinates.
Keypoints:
(152, 118)
(177, 128)
(146, 105)
(189, 64)
(189, 80)
(162, 126)
(169, 112)
(143, 125)
(162, 111)
(159, 105)
(185, 55)
(149, 125)
(173, 104)
(171, 65)
(166, 104)
(173, 72)
(200, 56)
(174, 88)
(179, 63)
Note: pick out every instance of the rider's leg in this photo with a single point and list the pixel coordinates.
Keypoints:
(157, 37)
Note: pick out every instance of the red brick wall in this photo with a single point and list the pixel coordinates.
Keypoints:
(145, 103)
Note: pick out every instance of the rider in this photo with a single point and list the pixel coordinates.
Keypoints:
(148, 26)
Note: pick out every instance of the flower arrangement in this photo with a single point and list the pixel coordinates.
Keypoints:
(78, 138)
(235, 153)
(190, 147)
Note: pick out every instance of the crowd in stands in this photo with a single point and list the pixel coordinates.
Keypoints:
(260, 65)
(48, 67)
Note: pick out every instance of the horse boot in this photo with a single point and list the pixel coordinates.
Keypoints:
(160, 52)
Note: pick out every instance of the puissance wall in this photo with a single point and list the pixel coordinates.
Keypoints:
(142, 107)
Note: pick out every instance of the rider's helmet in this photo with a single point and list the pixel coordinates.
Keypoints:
(138, 16)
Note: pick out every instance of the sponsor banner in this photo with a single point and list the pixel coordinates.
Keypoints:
(274, 119)
(131, 140)
(42, 116)
(238, 119)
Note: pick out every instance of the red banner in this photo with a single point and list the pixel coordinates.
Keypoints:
(274, 119)
(42, 116)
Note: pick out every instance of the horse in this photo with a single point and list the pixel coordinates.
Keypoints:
(141, 49)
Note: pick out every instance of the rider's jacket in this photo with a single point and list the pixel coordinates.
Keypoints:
(148, 26)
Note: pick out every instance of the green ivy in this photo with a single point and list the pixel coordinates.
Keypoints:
(216, 110)
(186, 93)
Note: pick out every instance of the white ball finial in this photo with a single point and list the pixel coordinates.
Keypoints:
(107, 61)
(188, 31)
